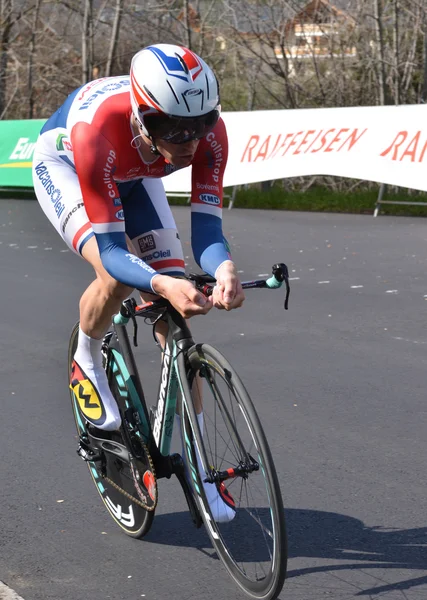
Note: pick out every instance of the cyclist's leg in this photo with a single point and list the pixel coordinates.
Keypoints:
(98, 303)
(65, 210)
(152, 230)
(102, 298)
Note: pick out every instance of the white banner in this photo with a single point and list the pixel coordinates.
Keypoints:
(387, 144)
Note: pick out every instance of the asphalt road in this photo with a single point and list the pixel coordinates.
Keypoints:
(339, 381)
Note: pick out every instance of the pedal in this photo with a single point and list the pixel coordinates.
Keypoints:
(85, 452)
(178, 469)
(87, 455)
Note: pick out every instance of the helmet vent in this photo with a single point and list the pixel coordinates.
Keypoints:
(181, 60)
(207, 86)
(173, 91)
(152, 96)
(201, 100)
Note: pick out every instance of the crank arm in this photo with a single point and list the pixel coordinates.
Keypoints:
(179, 470)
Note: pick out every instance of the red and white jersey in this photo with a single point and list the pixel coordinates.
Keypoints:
(95, 136)
(91, 133)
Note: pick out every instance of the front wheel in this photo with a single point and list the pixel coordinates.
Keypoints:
(112, 473)
(252, 545)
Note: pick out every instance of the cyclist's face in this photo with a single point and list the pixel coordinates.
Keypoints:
(179, 155)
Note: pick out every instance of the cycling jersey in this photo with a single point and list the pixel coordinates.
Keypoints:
(87, 150)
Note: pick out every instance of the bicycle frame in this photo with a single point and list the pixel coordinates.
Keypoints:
(157, 428)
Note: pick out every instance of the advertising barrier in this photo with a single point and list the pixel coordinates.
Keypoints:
(17, 141)
(387, 144)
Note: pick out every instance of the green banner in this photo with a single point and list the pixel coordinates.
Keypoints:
(17, 141)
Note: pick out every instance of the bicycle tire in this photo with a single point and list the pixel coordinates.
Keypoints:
(234, 542)
(135, 521)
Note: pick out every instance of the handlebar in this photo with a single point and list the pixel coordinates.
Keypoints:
(206, 283)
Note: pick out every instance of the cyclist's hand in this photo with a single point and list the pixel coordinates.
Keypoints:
(227, 293)
(182, 295)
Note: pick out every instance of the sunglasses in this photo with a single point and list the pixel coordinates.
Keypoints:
(178, 130)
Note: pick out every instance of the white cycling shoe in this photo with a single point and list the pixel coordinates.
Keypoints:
(220, 500)
(93, 395)
(88, 380)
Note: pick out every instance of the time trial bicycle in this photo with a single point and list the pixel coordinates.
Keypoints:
(230, 452)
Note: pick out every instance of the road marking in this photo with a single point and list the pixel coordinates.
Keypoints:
(6, 593)
(410, 341)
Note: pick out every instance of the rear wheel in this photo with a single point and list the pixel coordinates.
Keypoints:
(253, 545)
(112, 472)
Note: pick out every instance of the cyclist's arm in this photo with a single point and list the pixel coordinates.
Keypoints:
(96, 161)
(209, 246)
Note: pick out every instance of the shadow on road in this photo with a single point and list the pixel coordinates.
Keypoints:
(319, 535)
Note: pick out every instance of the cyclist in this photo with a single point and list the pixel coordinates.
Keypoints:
(97, 172)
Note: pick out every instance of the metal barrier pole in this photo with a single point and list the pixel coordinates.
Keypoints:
(232, 198)
(379, 199)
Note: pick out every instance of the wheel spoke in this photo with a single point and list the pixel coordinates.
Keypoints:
(252, 545)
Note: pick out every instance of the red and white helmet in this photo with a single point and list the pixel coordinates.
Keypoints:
(174, 94)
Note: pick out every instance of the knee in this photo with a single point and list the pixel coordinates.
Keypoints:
(112, 289)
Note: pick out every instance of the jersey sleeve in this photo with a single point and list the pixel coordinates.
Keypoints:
(209, 246)
(96, 161)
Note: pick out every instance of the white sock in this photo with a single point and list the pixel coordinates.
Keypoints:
(89, 358)
(220, 511)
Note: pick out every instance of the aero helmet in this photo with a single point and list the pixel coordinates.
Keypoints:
(174, 94)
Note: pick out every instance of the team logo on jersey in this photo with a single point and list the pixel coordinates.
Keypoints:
(207, 187)
(132, 172)
(210, 199)
(109, 170)
(89, 87)
(158, 254)
(120, 215)
(62, 143)
(137, 261)
(70, 214)
(54, 192)
(147, 243)
(109, 87)
(174, 67)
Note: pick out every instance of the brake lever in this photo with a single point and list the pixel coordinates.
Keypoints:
(281, 273)
(130, 305)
